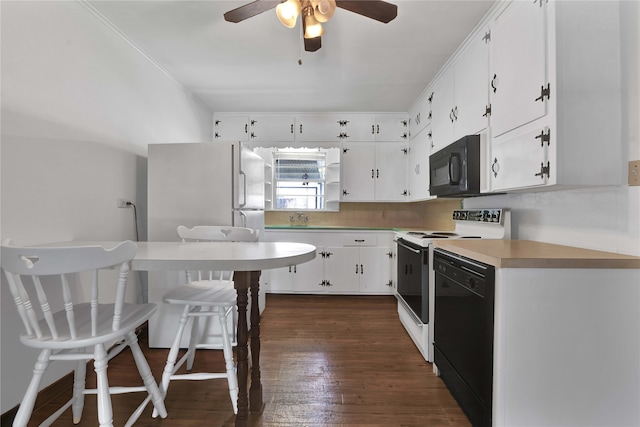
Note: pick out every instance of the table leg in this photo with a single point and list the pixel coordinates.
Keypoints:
(255, 392)
(242, 283)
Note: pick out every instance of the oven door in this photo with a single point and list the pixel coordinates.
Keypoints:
(413, 278)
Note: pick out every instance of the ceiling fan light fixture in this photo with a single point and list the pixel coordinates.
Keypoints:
(323, 10)
(288, 12)
(313, 28)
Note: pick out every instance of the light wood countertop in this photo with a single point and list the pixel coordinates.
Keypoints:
(531, 254)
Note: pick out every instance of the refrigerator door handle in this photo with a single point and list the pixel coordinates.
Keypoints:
(244, 218)
(243, 176)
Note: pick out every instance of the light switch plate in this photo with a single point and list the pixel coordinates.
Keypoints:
(634, 172)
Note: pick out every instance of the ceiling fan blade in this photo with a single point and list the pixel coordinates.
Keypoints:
(311, 45)
(251, 9)
(374, 9)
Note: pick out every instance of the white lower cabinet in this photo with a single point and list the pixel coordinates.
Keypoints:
(358, 270)
(345, 263)
(305, 277)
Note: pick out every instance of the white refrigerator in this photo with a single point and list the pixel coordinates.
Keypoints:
(209, 183)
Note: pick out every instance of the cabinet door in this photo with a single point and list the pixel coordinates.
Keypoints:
(280, 279)
(420, 115)
(471, 84)
(358, 127)
(518, 66)
(391, 128)
(318, 127)
(358, 172)
(342, 270)
(390, 172)
(375, 270)
(230, 128)
(418, 170)
(271, 128)
(516, 160)
(442, 110)
(309, 275)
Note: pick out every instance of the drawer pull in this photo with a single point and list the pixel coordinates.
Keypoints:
(359, 240)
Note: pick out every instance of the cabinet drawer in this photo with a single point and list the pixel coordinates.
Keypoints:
(358, 240)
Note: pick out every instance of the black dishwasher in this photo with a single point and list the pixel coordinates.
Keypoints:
(463, 331)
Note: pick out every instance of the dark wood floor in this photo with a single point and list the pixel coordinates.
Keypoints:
(326, 361)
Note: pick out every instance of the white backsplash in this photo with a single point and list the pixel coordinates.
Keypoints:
(601, 218)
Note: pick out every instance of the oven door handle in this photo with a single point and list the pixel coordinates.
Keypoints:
(417, 251)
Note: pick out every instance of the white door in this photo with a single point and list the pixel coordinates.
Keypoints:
(518, 64)
(392, 128)
(418, 170)
(308, 276)
(375, 273)
(230, 128)
(390, 176)
(281, 279)
(442, 110)
(271, 128)
(471, 83)
(358, 172)
(342, 270)
(318, 127)
(517, 160)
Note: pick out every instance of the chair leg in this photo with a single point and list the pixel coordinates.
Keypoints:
(105, 411)
(78, 390)
(29, 399)
(169, 367)
(232, 379)
(147, 378)
(193, 340)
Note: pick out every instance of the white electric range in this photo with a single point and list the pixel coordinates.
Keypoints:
(415, 292)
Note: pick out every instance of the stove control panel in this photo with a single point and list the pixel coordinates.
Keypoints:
(478, 215)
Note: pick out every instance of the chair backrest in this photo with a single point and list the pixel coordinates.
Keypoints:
(215, 233)
(19, 263)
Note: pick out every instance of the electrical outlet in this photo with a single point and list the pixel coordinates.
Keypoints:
(124, 203)
(634, 172)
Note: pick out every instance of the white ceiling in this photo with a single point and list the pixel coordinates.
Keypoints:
(252, 66)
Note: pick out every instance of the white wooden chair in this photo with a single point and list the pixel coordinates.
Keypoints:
(206, 294)
(79, 331)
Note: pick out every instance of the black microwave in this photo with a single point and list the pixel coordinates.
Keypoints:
(455, 169)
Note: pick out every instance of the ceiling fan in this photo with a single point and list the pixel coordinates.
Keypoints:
(314, 13)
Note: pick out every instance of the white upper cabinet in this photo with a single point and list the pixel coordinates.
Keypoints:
(460, 95)
(391, 128)
(271, 128)
(418, 169)
(518, 66)
(320, 127)
(357, 127)
(555, 112)
(471, 84)
(420, 115)
(374, 172)
(442, 104)
(230, 127)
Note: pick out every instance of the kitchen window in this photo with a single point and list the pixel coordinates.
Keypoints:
(299, 179)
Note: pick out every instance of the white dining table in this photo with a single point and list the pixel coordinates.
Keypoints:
(247, 260)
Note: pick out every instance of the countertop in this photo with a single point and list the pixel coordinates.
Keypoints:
(531, 254)
(285, 227)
